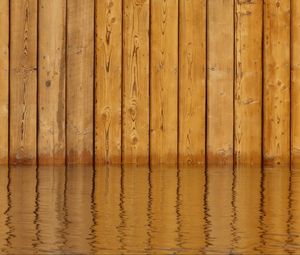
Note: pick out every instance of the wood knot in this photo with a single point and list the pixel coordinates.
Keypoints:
(48, 83)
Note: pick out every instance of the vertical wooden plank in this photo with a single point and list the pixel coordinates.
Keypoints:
(277, 82)
(80, 81)
(4, 80)
(51, 92)
(192, 81)
(248, 82)
(295, 90)
(135, 140)
(220, 64)
(164, 81)
(108, 81)
(23, 81)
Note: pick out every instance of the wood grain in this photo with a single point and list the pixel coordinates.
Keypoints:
(295, 89)
(277, 82)
(51, 83)
(248, 82)
(135, 135)
(220, 64)
(80, 81)
(4, 80)
(164, 81)
(108, 81)
(23, 81)
(192, 81)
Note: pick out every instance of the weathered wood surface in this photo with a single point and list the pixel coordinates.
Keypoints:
(108, 125)
(135, 140)
(164, 82)
(51, 83)
(248, 82)
(80, 81)
(23, 81)
(4, 79)
(220, 81)
(192, 81)
(149, 81)
(276, 137)
(295, 82)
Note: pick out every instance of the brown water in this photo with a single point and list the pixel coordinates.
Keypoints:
(142, 211)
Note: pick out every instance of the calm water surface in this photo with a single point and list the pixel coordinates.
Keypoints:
(142, 211)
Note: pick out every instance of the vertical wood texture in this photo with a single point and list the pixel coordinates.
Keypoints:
(248, 82)
(4, 79)
(108, 81)
(220, 62)
(135, 140)
(51, 90)
(23, 81)
(164, 81)
(277, 82)
(80, 81)
(192, 81)
(295, 90)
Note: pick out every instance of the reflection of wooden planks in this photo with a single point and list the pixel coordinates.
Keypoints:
(78, 210)
(220, 63)
(23, 81)
(164, 81)
(295, 89)
(108, 81)
(50, 203)
(191, 185)
(4, 203)
(276, 210)
(135, 138)
(23, 210)
(248, 82)
(135, 188)
(165, 216)
(51, 97)
(107, 196)
(247, 202)
(192, 81)
(218, 208)
(4, 80)
(80, 81)
(277, 82)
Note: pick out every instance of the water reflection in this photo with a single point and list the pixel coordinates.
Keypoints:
(140, 211)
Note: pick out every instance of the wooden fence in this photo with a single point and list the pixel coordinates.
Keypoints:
(165, 81)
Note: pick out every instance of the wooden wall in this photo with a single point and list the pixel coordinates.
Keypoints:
(139, 81)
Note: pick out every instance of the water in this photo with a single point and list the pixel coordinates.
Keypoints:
(140, 211)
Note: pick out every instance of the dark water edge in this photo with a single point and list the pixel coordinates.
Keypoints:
(81, 210)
